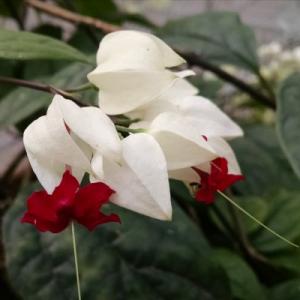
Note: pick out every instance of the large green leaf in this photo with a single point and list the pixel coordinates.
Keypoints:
(21, 45)
(288, 119)
(140, 259)
(108, 11)
(4, 8)
(8, 68)
(243, 281)
(35, 69)
(219, 37)
(289, 290)
(255, 205)
(279, 210)
(262, 162)
(22, 102)
(104, 9)
(283, 217)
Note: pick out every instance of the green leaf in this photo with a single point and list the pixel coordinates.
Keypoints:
(262, 162)
(4, 10)
(279, 210)
(219, 37)
(106, 10)
(283, 217)
(8, 68)
(33, 69)
(22, 103)
(82, 41)
(254, 205)
(289, 290)
(21, 45)
(142, 258)
(288, 119)
(287, 261)
(103, 9)
(243, 281)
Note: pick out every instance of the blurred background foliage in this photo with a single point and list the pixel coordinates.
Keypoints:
(206, 252)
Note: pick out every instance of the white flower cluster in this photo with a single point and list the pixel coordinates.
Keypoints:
(277, 62)
(180, 130)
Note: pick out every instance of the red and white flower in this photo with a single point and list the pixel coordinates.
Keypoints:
(85, 140)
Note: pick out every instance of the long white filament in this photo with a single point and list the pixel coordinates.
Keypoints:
(257, 221)
(76, 261)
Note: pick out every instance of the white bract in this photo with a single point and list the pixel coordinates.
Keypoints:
(132, 70)
(199, 112)
(182, 131)
(190, 129)
(85, 140)
(222, 149)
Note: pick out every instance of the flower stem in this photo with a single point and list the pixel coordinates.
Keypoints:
(39, 87)
(128, 130)
(81, 88)
(76, 261)
(257, 221)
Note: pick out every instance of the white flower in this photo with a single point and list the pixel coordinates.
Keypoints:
(132, 70)
(85, 140)
(182, 122)
(167, 101)
(199, 112)
(222, 149)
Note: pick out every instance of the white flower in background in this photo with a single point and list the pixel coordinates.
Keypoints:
(132, 70)
(85, 140)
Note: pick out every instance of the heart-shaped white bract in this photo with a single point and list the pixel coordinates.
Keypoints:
(50, 148)
(181, 143)
(68, 136)
(141, 179)
(132, 70)
(222, 149)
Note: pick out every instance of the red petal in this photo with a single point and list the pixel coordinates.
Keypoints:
(219, 167)
(218, 179)
(205, 195)
(52, 212)
(88, 202)
(66, 190)
(43, 225)
(228, 181)
(39, 204)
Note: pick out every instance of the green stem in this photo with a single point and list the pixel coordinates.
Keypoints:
(128, 130)
(125, 122)
(265, 84)
(76, 261)
(81, 88)
(257, 221)
(244, 241)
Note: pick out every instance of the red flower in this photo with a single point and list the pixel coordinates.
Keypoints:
(69, 202)
(217, 180)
